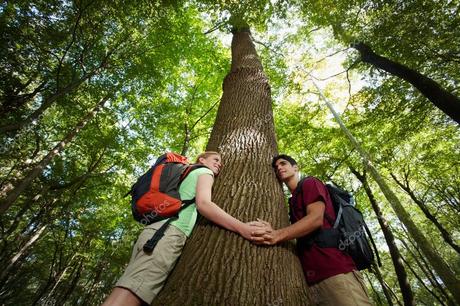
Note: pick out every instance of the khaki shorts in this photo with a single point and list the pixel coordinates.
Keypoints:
(346, 289)
(146, 274)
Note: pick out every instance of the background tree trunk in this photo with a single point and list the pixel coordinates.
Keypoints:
(439, 264)
(420, 203)
(37, 170)
(406, 290)
(441, 98)
(218, 267)
(386, 290)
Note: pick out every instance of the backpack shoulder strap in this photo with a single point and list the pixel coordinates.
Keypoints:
(183, 176)
(373, 244)
(189, 169)
(299, 190)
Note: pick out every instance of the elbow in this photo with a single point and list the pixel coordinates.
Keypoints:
(201, 205)
(318, 223)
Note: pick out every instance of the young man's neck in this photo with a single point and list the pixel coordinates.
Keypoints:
(292, 182)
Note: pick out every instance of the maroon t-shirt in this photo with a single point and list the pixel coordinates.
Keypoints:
(317, 263)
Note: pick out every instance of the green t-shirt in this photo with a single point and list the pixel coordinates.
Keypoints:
(187, 191)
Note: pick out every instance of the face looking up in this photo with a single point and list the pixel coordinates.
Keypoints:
(213, 162)
(284, 169)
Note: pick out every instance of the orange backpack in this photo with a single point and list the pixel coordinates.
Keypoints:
(155, 195)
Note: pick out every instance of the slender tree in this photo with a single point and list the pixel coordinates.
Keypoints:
(218, 267)
(20, 254)
(439, 264)
(37, 170)
(386, 289)
(406, 291)
(423, 207)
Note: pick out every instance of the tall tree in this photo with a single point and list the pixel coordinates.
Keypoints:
(408, 189)
(403, 281)
(417, 34)
(439, 264)
(444, 100)
(37, 170)
(220, 267)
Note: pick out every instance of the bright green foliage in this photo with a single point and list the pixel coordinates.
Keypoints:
(163, 74)
(419, 34)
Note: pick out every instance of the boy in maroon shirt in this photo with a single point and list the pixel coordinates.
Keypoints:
(330, 272)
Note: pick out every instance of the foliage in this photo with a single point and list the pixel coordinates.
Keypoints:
(162, 71)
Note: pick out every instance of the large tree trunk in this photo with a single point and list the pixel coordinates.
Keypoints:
(218, 267)
(439, 264)
(401, 274)
(37, 170)
(441, 98)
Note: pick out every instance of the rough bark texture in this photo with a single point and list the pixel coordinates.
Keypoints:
(218, 267)
(441, 98)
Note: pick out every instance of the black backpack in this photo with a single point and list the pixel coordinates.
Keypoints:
(349, 232)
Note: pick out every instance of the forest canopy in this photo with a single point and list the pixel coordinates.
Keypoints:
(91, 92)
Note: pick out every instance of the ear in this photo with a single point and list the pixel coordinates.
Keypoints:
(201, 160)
(296, 168)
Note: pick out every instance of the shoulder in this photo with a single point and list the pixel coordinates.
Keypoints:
(194, 174)
(311, 182)
(313, 190)
(202, 170)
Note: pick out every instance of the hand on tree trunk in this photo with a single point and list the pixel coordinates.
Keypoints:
(253, 231)
(268, 236)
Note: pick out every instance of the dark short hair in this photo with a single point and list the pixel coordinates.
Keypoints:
(283, 156)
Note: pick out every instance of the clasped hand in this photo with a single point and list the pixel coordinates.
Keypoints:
(261, 232)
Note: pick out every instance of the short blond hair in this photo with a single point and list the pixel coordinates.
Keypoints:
(206, 154)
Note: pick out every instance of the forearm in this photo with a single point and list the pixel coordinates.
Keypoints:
(214, 213)
(301, 228)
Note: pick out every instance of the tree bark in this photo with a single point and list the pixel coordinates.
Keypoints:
(440, 266)
(218, 267)
(37, 170)
(406, 290)
(441, 98)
